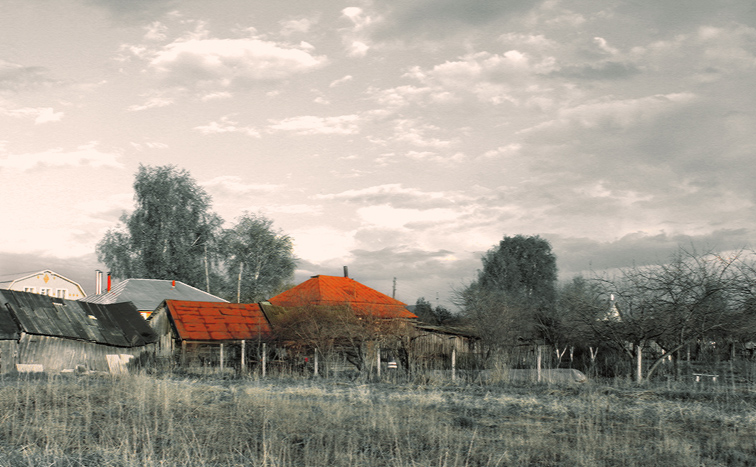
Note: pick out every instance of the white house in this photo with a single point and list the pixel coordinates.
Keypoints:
(49, 283)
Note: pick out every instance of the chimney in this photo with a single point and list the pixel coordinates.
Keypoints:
(346, 271)
(98, 282)
(173, 284)
(108, 281)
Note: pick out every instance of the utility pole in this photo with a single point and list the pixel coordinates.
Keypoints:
(393, 293)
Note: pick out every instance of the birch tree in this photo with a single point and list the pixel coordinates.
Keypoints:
(259, 258)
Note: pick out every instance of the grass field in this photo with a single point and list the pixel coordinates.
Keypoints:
(190, 421)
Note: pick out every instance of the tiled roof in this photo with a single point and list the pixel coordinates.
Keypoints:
(340, 291)
(213, 321)
(117, 325)
(148, 294)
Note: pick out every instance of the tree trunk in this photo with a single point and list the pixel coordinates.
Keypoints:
(639, 364)
(238, 284)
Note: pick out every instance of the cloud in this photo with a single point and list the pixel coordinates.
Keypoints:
(39, 114)
(356, 39)
(230, 63)
(296, 26)
(226, 125)
(312, 125)
(133, 11)
(440, 18)
(231, 185)
(87, 155)
(340, 81)
(586, 256)
(15, 77)
(152, 103)
(602, 71)
(397, 196)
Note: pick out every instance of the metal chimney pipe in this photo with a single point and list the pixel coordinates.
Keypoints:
(98, 282)
(346, 271)
(108, 281)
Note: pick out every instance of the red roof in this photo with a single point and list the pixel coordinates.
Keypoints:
(218, 321)
(339, 291)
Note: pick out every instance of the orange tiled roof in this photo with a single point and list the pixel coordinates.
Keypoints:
(218, 321)
(339, 291)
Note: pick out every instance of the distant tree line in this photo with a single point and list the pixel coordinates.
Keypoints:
(641, 314)
(172, 233)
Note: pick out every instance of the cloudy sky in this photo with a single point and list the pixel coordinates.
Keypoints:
(403, 139)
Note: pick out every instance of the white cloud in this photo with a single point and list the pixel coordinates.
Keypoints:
(84, 156)
(296, 26)
(311, 125)
(226, 125)
(340, 81)
(231, 62)
(231, 185)
(152, 103)
(39, 114)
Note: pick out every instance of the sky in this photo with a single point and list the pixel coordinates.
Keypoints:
(400, 139)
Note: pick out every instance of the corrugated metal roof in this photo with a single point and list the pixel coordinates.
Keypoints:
(213, 321)
(148, 294)
(340, 291)
(117, 324)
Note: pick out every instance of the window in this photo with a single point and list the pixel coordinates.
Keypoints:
(30, 289)
(45, 291)
(61, 293)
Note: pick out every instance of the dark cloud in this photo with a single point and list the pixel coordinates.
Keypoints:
(14, 77)
(671, 17)
(438, 18)
(601, 71)
(135, 10)
(586, 256)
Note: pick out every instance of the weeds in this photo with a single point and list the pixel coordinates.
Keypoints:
(182, 421)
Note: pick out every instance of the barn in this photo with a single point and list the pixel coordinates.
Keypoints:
(50, 334)
(211, 334)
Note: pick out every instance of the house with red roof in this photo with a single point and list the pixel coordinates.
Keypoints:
(342, 319)
(218, 334)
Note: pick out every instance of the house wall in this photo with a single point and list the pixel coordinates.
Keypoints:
(56, 354)
(50, 282)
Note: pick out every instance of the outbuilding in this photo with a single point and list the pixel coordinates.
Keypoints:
(50, 334)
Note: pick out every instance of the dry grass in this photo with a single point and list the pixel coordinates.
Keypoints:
(145, 420)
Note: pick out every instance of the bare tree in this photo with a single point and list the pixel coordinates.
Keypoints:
(668, 306)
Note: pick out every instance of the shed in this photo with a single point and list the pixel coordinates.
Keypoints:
(54, 334)
(213, 333)
(148, 294)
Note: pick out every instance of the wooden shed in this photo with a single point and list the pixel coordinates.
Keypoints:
(210, 333)
(42, 333)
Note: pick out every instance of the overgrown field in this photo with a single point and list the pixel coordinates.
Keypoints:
(146, 420)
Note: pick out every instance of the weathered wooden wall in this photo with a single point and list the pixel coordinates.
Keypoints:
(56, 354)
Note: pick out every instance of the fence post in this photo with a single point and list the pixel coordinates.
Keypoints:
(243, 356)
(454, 363)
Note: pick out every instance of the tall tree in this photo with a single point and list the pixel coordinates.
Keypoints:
(171, 234)
(260, 258)
(514, 295)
